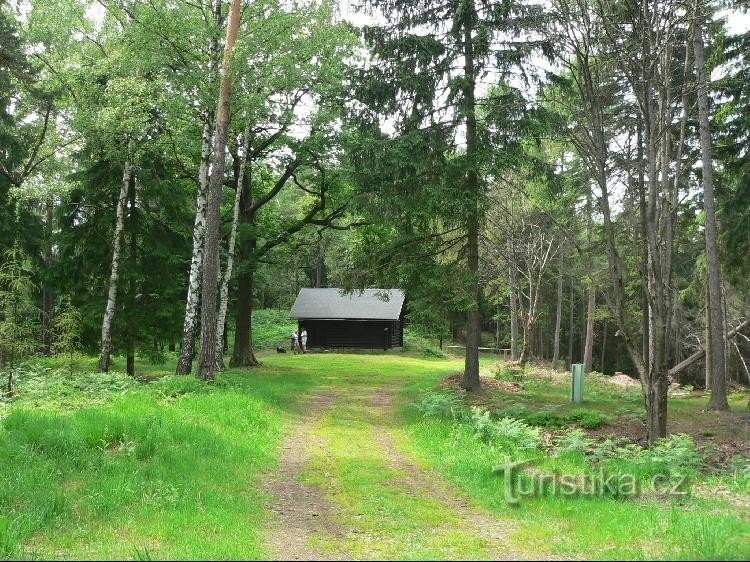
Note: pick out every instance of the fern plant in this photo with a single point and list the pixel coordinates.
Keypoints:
(19, 316)
(68, 324)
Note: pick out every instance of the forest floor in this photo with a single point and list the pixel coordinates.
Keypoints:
(331, 456)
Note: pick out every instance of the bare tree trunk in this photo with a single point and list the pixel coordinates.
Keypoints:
(242, 353)
(558, 312)
(132, 265)
(604, 347)
(589, 345)
(715, 316)
(207, 361)
(187, 347)
(473, 317)
(185, 361)
(514, 355)
(571, 323)
(109, 311)
(530, 320)
(497, 330)
(48, 297)
(591, 300)
(224, 291)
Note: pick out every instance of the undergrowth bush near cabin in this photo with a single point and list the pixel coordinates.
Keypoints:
(272, 327)
(589, 419)
(549, 417)
(506, 434)
(573, 441)
(441, 405)
(675, 458)
(414, 341)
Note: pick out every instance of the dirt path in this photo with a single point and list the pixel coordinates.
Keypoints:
(308, 515)
(420, 481)
(300, 510)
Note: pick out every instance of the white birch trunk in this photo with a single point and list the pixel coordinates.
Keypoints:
(109, 311)
(184, 364)
(224, 290)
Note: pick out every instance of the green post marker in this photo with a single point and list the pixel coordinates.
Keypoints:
(576, 388)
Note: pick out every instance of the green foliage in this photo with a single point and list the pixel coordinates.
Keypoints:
(272, 327)
(573, 441)
(441, 405)
(514, 410)
(416, 341)
(675, 458)
(506, 434)
(67, 330)
(549, 416)
(19, 315)
(589, 419)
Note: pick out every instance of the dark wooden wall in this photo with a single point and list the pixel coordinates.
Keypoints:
(361, 334)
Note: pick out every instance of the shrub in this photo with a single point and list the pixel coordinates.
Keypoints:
(504, 374)
(514, 410)
(430, 351)
(674, 457)
(507, 434)
(545, 418)
(441, 405)
(573, 441)
(590, 419)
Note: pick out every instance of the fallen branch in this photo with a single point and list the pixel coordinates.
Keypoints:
(700, 353)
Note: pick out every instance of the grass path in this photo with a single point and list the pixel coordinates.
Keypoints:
(345, 487)
(321, 456)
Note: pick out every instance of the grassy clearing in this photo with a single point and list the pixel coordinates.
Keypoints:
(106, 467)
(390, 517)
(163, 469)
(589, 526)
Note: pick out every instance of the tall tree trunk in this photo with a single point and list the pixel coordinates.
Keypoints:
(513, 282)
(207, 360)
(604, 348)
(497, 330)
(473, 317)
(656, 381)
(132, 266)
(242, 353)
(48, 298)
(529, 324)
(589, 344)
(224, 291)
(715, 316)
(644, 242)
(571, 323)
(185, 361)
(114, 277)
(187, 346)
(558, 312)
(588, 347)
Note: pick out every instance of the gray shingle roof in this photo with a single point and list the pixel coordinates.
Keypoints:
(331, 304)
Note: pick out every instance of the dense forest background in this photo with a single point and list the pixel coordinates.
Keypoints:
(569, 179)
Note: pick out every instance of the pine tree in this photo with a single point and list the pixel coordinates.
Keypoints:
(428, 61)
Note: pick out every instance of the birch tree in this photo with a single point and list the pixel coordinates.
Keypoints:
(207, 362)
(185, 360)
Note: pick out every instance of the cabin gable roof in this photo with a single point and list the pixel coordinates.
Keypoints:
(332, 304)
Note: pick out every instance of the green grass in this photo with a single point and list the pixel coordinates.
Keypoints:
(165, 468)
(101, 466)
(592, 527)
